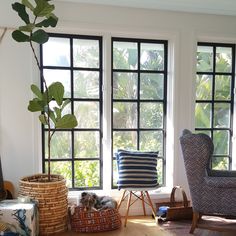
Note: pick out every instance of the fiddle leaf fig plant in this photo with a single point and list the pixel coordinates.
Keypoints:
(37, 15)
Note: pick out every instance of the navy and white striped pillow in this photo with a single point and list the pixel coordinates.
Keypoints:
(137, 169)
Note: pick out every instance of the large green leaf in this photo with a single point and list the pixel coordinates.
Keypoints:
(39, 36)
(65, 103)
(52, 116)
(27, 28)
(47, 97)
(51, 21)
(20, 37)
(43, 119)
(36, 91)
(20, 8)
(67, 122)
(35, 105)
(28, 4)
(53, 16)
(58, 112)
(56, 90)
(43, 8)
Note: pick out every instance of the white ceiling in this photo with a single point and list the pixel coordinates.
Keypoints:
(222, 7)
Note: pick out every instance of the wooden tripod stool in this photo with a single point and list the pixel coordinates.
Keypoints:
(143, 195)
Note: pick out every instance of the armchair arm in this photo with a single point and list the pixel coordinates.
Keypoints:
(221, 173)
(221, 182)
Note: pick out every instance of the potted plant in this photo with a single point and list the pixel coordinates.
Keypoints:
(50, 190)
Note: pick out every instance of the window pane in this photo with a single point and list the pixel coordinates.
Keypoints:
(60, 145)
(87, 174)
(61, 168)
(124, 140)
(221, 142)
(204, 87)
(54, 57)
(222, 87)
(62, 76)
(115, 173)
(151, 115)
(152, 56)
(221, 115)
(124, 115)
(87, 114)
(53, 105)
(125, 85)
(86, 53)
(203, 132)
(138, 98)
(160, 171)
(220, 163)
(204, 59)
(151, 86)
(86, 84)
(125, 55)
(223, 59)
(203, 115)
(152, 141)
(216, 115)
(75, 61)
(87, 144)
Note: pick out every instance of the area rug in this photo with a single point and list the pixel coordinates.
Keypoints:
(181, 228)
(176, 227)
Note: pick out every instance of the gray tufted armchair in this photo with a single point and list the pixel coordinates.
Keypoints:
(213, 192)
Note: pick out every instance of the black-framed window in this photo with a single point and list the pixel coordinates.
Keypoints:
(139, 98)
(76, 61)
(215, 98)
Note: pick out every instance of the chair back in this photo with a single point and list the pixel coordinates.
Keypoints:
(197, 150)
(137, 169)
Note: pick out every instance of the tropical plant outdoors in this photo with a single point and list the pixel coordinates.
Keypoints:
(36, 16)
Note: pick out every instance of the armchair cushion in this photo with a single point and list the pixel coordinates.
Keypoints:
(137, 169)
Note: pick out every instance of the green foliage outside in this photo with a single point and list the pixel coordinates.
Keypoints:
(215, 115)
(86, 83)
(87, 143)
(125, 86)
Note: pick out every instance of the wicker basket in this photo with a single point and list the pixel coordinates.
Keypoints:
(180, 210)
(52, 201)
(95, 221)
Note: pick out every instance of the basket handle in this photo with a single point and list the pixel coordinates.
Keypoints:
(172, 196)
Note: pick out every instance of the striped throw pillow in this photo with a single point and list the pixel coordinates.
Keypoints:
(137, 169)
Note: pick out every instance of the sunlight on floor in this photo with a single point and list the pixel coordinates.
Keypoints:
(144, 221)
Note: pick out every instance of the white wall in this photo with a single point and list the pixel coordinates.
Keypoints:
(19, 131)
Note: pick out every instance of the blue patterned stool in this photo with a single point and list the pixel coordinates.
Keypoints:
(20, 218)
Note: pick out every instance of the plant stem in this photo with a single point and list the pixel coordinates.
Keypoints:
(47, 117)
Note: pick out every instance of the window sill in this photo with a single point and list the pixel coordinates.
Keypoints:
(158, 195)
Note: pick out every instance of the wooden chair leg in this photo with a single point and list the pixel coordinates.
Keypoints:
(129, 203)
(150, 203)
(121, 200)
(200, 216)
(143, 203)
(194, 222)
(127, 209)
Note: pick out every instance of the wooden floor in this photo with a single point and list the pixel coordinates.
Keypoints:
(146, 226)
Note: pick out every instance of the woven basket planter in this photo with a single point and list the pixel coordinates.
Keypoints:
(52, 200)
